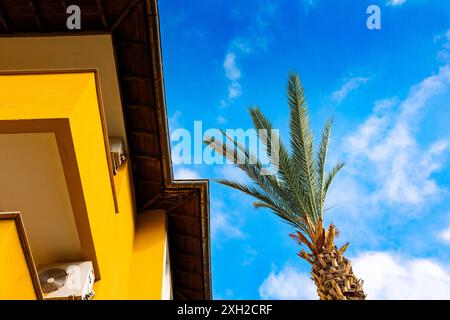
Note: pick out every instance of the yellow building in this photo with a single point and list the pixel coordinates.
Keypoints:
(85, 171)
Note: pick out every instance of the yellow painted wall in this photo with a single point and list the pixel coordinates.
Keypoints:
(120, 256)
(148, 259)
(74, 52)
(113, 233)
(15, 279)
(41, 96)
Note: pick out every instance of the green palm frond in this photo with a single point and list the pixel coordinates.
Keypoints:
(266, 200)
(268, 184)
(321, 164)
(331, 176)
(302, 142)
(285, 169)
(296, 192)
(298, 224)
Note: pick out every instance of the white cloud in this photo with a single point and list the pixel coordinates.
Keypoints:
(228, 295)
(221, 120)
(174, 120)
(395, 2)
(392, 160)
(288, 284)
(349, 85)
(385, 145)
(232, 72)
(234, 90)
(444, 39)
(307, 5)
(224, 226)
(250, 256)
(253, 39)
(182, 173)
(388, 276)
(445, 235)
(385, 104)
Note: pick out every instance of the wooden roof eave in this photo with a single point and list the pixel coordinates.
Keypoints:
(170, 183)
(134, 27)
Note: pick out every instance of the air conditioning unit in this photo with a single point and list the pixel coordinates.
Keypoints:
(67, 281)
(117, 150)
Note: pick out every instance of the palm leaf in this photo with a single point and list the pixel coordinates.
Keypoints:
(285, 168)
(331, 176)
(320, 165)
(296, 192)
(302, 143)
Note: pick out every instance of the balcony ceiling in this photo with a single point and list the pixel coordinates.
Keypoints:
(134, 27)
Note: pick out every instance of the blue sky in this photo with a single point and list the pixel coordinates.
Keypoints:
(388, 91)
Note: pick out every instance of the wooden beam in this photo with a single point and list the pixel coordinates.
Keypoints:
(145, 156)
(178, 293)
(180, 216)
(187, 273)
(148, 181)
(187, 256)
(181, 191)
(125, 14)
(143, 133)
(151, 201)
(136, 78)
(101, 13)
(141, 106)
(188, 291)
(4, 21)
(182, 201)
(185, 237)
(36, 14)
(128, 43)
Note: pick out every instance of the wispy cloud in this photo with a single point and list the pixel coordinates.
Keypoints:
(233, 74)
(253, 39)
(307, 4)
(224, 225)
(347, 87)
(288, 284)
(395, 3)
(182, 173)
(444, 40)
(231, 70)
(387, 142)
(174, 120)
(389, 177)
(444, 235)
(221, 120)
(250, 256)
(387, 276)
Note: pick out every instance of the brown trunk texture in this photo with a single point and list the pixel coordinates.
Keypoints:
(334, 278)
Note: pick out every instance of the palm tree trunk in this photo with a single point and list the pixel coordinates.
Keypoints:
(334, 278)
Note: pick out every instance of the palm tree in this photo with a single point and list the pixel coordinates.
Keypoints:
(296, 193)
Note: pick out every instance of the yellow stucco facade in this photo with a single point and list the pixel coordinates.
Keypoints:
(129, 253)
(15, 277)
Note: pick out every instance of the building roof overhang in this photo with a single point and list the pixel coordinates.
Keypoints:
(134, 28)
